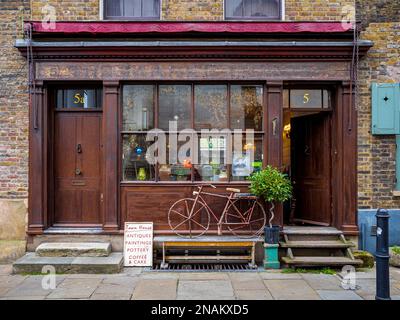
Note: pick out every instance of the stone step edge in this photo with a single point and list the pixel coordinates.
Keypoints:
(74, 249)
(33, 264)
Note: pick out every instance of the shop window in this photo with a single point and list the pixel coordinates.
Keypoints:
(79, 98)
(131, 9)
(202, 127)
(253, 9)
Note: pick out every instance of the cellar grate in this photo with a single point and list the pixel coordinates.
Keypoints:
(203, 267)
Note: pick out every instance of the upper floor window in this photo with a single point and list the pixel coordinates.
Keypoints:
(253, 9)
(132, 9)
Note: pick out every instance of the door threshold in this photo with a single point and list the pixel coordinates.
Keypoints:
(66, 230)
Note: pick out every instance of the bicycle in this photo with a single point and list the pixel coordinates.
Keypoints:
(191, 216)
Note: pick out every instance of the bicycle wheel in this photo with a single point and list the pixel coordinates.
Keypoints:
(245, 218)
(186, 222)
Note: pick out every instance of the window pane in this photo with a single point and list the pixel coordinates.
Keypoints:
(234, 8)
(180, 171)
(135, 163)
(175, 104)
(138, 107)
(242, 163)
(306, 99)
(151, 8)
(246, 107)
(79, 98)
(114, 8)
(212, 159)
(253, 8)
(132, 8)
(211, 108)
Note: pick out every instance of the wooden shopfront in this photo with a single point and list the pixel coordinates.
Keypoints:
(94, 99)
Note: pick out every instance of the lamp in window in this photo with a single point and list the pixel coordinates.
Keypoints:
(286, 130)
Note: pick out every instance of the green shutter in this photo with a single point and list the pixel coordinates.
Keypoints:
(385, 108)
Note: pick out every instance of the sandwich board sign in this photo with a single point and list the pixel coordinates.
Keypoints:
(138, 244)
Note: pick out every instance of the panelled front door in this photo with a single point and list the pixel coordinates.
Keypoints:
(77, 168)
(311, 168)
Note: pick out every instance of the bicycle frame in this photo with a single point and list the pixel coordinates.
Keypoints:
(229, 202)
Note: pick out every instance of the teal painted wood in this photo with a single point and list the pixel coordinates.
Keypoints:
(271, 258)
(397, 162)
(385, 108)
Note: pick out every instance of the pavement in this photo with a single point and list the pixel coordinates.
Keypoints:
(139, 284)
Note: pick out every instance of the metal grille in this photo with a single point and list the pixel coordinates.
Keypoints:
(203, 267)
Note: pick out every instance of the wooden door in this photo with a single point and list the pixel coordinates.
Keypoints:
(311, 168)
(77, 168)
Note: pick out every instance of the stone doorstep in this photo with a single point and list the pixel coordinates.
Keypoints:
(31, 263)
(74, 249)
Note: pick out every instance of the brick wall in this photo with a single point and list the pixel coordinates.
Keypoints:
(13, 103)
(194, 9)
(376, 158)
(68, 9)
(306, 10)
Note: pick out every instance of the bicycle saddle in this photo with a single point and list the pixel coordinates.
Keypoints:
(233, 190)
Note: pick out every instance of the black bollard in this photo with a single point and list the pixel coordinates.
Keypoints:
(382, 255)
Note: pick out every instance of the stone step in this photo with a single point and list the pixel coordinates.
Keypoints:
(32, 263)
(329, 244)
(74, 249)
(329, 231)
(320, 261)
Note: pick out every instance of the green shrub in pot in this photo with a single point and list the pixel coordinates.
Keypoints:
(271, 185)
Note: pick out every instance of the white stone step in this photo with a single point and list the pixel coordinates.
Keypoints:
(31, 263)
(317, 244)
(297, 230)
(74, 249)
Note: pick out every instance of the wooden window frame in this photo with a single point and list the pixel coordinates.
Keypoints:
(105, 17)
(251, 18)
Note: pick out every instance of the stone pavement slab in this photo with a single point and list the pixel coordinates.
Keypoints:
(5, 269)
(155, 289)
(280, 276)
(205, 290)
(322, 281)
(253, 295)
(203, 276)
(338, 295)
(291, 290)
(110, 296)
(32, 286)
(72, 288)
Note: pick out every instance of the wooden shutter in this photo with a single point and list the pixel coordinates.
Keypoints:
(385, 108)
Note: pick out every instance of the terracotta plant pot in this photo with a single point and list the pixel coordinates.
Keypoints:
(394, 258)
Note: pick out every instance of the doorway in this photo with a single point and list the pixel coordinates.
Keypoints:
(77, 159)
(308, 157)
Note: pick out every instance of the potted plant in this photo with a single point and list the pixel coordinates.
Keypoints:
(274, 187)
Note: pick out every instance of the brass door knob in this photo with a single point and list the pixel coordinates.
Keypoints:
(78, 172)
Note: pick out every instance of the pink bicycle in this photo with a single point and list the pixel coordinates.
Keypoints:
(243, 214)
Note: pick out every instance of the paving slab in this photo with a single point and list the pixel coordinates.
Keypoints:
(280, 276)
(11, 281)
(132, 271)
(338, 295)
(203, 276)
(160, 275)
(34, 286)
(323, 281)
(205, 290)
(114, 289)
(291, 290)
(108, 296)
(5, 269)
(75, 289)
(124, 281)
(155, 289)
(253, 295)
(248, 284)
(367, 287)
